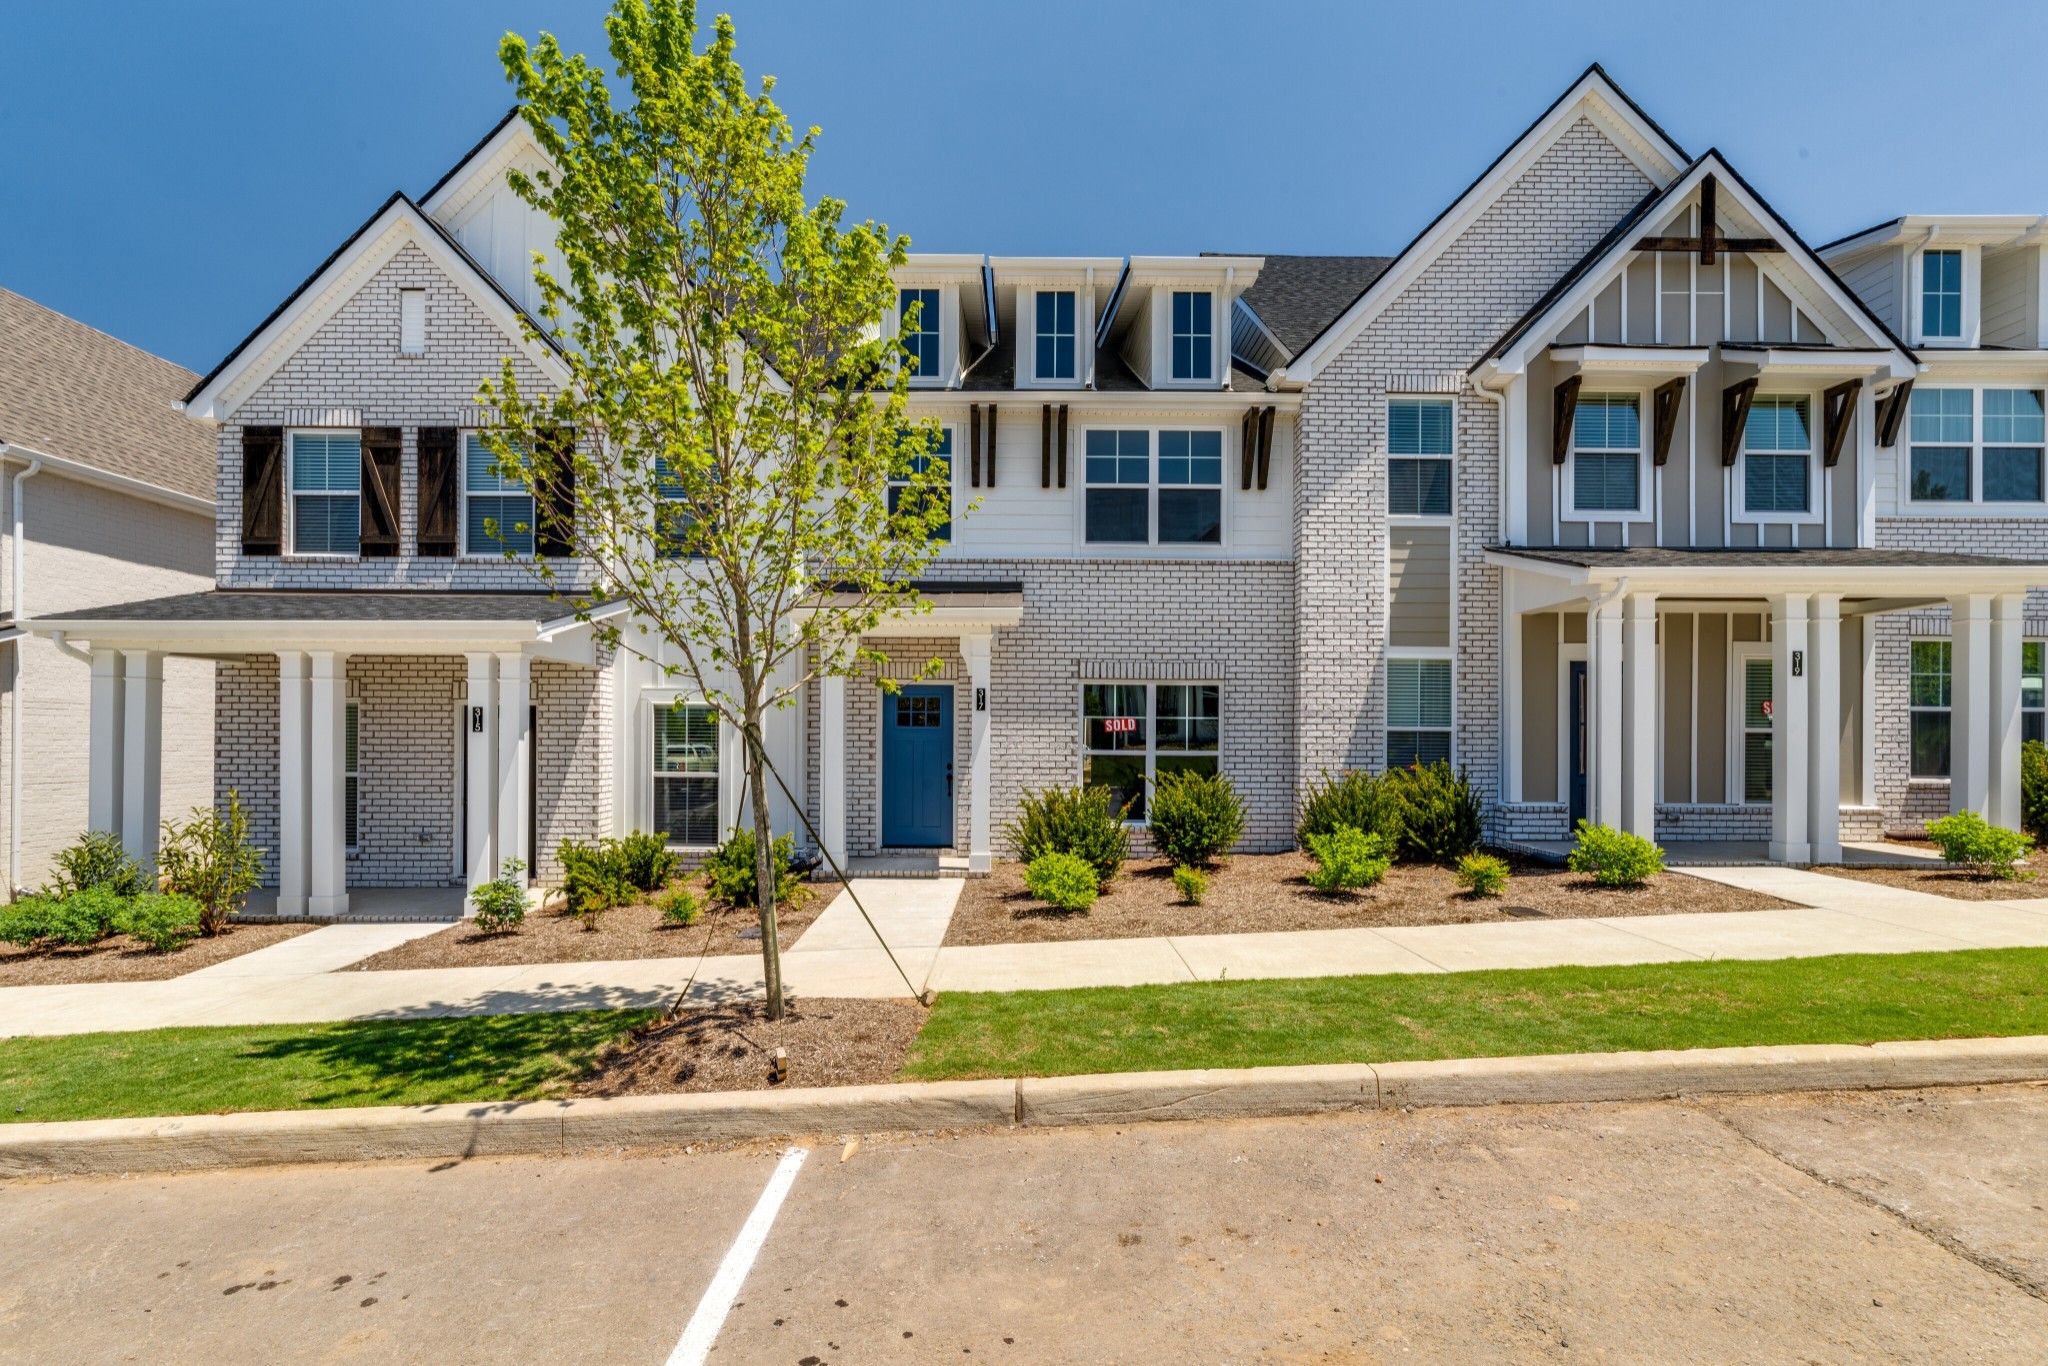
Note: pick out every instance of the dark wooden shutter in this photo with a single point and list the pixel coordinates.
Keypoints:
(438, 491)
(558, 518)
(383, 452)
(262, 490)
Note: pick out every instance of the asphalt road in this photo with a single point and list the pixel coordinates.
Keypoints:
(1807, 1228)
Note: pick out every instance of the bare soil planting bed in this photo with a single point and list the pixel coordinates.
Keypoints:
(1253, 893)
(830, 1042)
(1941, 880)
(552, 936)
(121, 959)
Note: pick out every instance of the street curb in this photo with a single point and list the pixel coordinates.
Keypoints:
(200, 1142)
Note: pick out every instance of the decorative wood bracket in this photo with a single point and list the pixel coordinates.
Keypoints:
(1706, 244)
(1664, 413)
(1735, 400)
(1247, 447)
(1836, 405)
(974, 444)
(1891, 411)
(1045, 447)
(991, 445)
(1265, 444)
(1063, 445)
(1564, 402)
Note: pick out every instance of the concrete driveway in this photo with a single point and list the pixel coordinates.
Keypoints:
(1819, 1228)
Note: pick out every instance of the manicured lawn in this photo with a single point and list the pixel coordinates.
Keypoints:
(293, 1067)
(1861, 998)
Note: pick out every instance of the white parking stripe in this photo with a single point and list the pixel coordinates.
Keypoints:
(703, 1328)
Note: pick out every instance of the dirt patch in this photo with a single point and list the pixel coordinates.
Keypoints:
(121, 959)
(1253, 893)
(830, 1042)
(629, 932)
(1941, 880)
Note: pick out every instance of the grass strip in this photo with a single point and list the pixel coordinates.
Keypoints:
(1851, 998)
(216, 1069)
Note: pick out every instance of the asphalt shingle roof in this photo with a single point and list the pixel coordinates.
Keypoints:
(1296, 297)
(74, 392)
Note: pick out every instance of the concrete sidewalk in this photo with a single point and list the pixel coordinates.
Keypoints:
(839, 955)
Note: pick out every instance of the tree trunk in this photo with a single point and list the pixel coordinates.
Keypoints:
(765, 871)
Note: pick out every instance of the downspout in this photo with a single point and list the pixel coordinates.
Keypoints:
(1508, 686)
(16, 524)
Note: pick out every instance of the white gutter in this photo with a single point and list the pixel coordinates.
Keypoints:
(62, 641)
(107, 479)
(17, 522)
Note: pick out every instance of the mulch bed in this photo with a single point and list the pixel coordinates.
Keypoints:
(1253, 893)
(1940, 880)
(121, 959)
(830, 1042)
(552, 936)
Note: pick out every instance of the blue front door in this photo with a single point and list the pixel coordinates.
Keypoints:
(917, 767)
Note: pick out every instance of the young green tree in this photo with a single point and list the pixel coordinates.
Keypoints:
(731, 457)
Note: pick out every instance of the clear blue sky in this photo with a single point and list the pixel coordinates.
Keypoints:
(170, 172)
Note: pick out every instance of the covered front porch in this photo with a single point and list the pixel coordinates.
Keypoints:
(1731, 699)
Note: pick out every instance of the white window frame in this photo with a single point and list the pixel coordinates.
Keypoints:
(659, 702)
(952, 433)
(1450, 461)
(1816, 483)
(463, 495)
(942, 377)
(1644, 475)
(1949, 711)
(2034, 711)
(1218, 368)
(1450, 731)
(1152, 486)
(1029, 335)
(1968, 266)
(291, 498)
(352, 774)
(1151, 751)
(1976, 504)
(1739, 656)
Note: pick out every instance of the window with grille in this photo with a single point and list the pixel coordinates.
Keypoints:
(918, 312)
(1941, 294)
(1194, 335)
(1129, 502)
(1131, 733)
(938, 454)
(686, 775)
(1054, 333)
(1418, 712)
(1419, 446)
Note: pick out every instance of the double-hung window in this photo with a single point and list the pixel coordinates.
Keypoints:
(919, 334)
(1054, 334)
(1928, 704)
(1977, 446)
(1607, 454)
(1127, 504)
(1777, 453)
(1131, 733)
(1756, 728)
(686, 775)
(327, 493)
(1419, 447)
(1194, 335)
(1190, 488)
(1418, 711)
(1118, 471)
(938, 455)
(2012, 445)
(2033, 695)
(497, 510)
(672, 519)
(1941, 294)
(351, 777)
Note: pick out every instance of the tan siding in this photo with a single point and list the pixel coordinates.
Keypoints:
(1540, 713)
(1419, 585)
(1677, 671)
(1713, 709)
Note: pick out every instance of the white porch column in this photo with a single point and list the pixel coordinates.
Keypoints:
(832, 766)
(294, 783)
(976, 650)
(1639, 715)
(106, 749)
(2003, 781)
(1790, 778)
(327, 801)
(1603, 724)
(1824, 727)
(515, 696)
(480, 732)
(1969, 717)
(1510, 691)
(142, 745)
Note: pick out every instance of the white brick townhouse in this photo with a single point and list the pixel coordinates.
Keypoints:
(1606, 487)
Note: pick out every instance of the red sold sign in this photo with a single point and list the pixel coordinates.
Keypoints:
(1767, 708)
(1120, 725)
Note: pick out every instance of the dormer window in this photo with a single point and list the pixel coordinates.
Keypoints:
(1194, 336)
(1054, 331)
(1941, 294)
(918, 312)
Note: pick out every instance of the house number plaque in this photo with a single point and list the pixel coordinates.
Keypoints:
(1798, 663)
(981, 699)
(476, 720)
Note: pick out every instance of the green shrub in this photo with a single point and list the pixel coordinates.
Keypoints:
(1968, 840)
(1191, 884)
(2034, 788)
(591, 883)
(679, 905)
(211, 859)
(1195, 816)
(1346, 858)
(1360, 800)
(1067, 881)
(1482, 874)
(730, 871)
(1439, 813)
(84, 918)
(28, 921)
(1072, 820)
(163, 920)
(1614, 857)
(643, 860)
(500, 904)
(97, 860)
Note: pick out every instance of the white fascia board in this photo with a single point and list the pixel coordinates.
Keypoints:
(1149, 404)
(1870, 363)
(1659, 360)
(394, 228)
(1057, 267)
(1939, 364)
(1242, 271)
(265, 637)
(1762, 581)
(941, 621)
(106, 479)
(476, 173)
(940, 268)
(1962, 229)
(1593, 96)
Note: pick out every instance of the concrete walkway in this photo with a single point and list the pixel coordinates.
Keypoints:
(839, 955)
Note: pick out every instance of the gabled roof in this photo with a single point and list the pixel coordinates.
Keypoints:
(327, 286)
(1590, 271)
(486, 146)
(75, 393)
(1296, 297)
(1594, 93)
